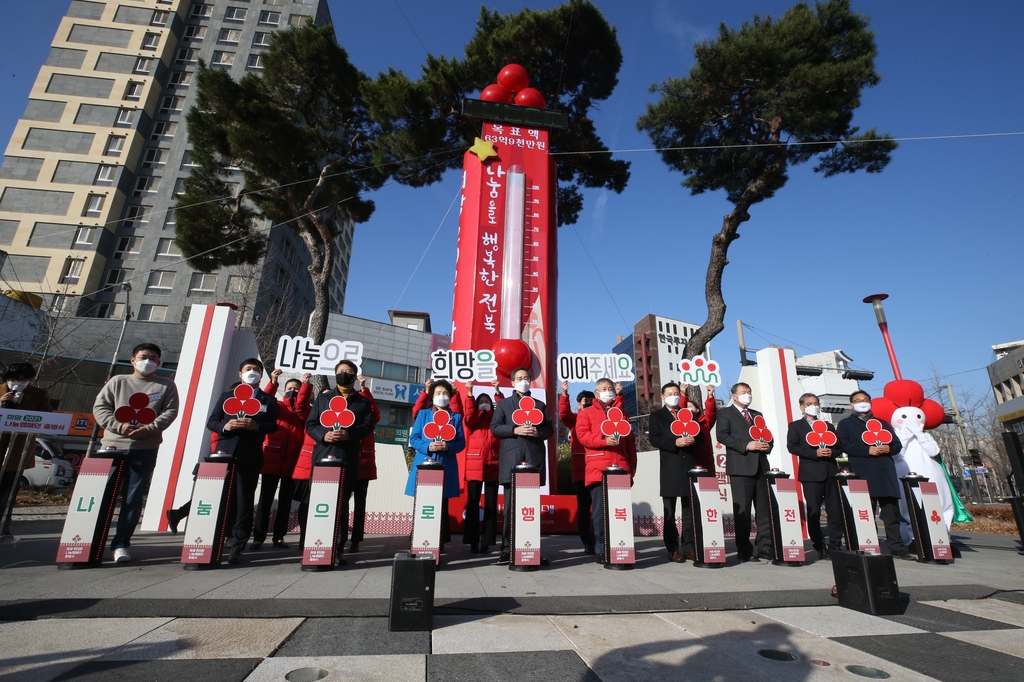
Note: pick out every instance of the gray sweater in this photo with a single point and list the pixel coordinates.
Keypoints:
(163, 399)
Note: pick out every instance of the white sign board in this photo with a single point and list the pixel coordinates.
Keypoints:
(463, 365)
(709, 509)
(859, 499)
(322, 518)
(30, 421)
(620, 520)
(790, 532)
(426, 520)
(526, 551)
(589, 367)
(201, 527)
(300, 354)
(84, 510)
(927, 495)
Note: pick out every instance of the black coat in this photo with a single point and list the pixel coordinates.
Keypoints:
(733, 432)
(812, 467)
(347, 450)
(246, 446)
(515, 449)
(878, 471)
(675, 461)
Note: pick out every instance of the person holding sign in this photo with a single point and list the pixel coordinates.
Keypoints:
(607, 439)
(706, 418)
(815, 442)
(871, 445)
(424, 398)
(17, 392)
(584, 399)
(437, 434)
(522, 440)
(481, 470)
(747, 444)
(367, 470)
(679, 437)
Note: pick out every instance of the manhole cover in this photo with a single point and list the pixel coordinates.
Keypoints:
(776, 655)
(867, 671)
(311, 675)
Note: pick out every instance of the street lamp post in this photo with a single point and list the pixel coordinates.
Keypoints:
(876, 302)
(126, 287)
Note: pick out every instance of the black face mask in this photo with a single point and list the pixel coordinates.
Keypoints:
(345, 378)
(291, 394)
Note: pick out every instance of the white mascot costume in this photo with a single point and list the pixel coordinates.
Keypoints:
(920, 455)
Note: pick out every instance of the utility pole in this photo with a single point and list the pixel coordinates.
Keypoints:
(965, 456)
(126, 287)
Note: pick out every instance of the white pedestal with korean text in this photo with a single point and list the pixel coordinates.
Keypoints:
(426, 511)
(210, 513)
(619, 551)
(787, 532)
(858, 514)
(326, 487)
(525, 501)
(92, 506)
(926, 519)
(706, 512)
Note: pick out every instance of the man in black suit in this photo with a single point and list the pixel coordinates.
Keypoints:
(243, 438)
(345, 444)
(746, 462)
(817, 474)
(875, 465)
(678, 456)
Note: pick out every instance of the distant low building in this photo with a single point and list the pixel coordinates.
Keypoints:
(1007, 377)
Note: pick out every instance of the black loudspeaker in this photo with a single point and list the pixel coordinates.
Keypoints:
(866, 582)
(412, 593)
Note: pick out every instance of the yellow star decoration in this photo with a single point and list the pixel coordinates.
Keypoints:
(483, 149)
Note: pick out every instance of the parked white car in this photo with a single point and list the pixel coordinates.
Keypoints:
(50, 469)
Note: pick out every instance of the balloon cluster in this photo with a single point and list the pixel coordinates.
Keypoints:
(513, 88)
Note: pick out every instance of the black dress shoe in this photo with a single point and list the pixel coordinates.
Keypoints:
(503, 560)
(235, 556)
(544, 562)
(485, 549)
(280, 544)
(745, 558)
(353, 548)
(766, 554)
(257, 544)
(172, 520)
(600, 559)
(474, 549)
(341, 561)
(905, 555)
(588, 550)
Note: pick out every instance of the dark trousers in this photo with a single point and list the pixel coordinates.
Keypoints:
(348, 484)
(670, 533)
(890, 512)
(139, 467)
(506, 528)
(7, 488)
(596, 491)
(584, 523)
(814, 493)
(244, 493)
(359, 510)
(471, 532)
(268, 489)
(747, 489)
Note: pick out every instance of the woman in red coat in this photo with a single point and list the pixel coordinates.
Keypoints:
(367, 472)
(706, 419)
(481, 469)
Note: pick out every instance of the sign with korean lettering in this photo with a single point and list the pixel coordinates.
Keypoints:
(619, 513)
(464, 365)
(300, 354)
(40, 423)
(201, 532)
(526, 516)
(426, 512)
(927, 495)
(322, 519)
(589, 367)
(790, 532)
(397, 435)
(712, 527)
(859, 500)
(84, 511)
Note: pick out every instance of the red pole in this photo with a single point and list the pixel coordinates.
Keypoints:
(876, 302)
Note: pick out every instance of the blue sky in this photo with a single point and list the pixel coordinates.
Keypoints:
(939, 229)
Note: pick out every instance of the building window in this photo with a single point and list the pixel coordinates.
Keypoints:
(171, 104)
(179, 187)
(118, 275)
(297, 20)
(232, 188)
(195, 32)
(237, 284)
(142, 66)
(202, 283)
(72, 270)
(201, 11)
(151, 41)
(110, 310)
(164, 129)
(134, 91)
(153, 158)
(160, 18)
(166, 248)
(127, 246)
(282, 277)
(223, 58)
(125, 118)
(235, 14)
(181, 78)
(145, 184)
(135, 216)
(273, 2)
(229, 35)
(160, 282)
(84, 235)
(93, 206)
(186, 55)
(261, 40)
(255, 61)
(169, 221)
(270, 18)
(104, 176)
(186, 160)
(152, 313)
(62, 303)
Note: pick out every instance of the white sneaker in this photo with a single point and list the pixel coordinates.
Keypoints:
(121, 556)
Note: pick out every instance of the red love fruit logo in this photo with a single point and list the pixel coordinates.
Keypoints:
(683, 424)
(759, 431)
(820, 436)
(440, 428)
(527, 414)
(876, 435)
(137, 411)
(616, 423)
(243, 404)
(337, 416)
(935, 516)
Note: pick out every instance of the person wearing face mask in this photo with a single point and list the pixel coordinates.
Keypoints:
(601, 452)
(367, 469)
(423, 400)
(344, 444)
(280, 452)
(706, 418)
(746, 462)
(479, 465)
(17, 392)
(243, 438)
(445, 452)
(678, 455)
(140, 441)
(584, 399)
(874, 464)
(518, 444)
(817, 475)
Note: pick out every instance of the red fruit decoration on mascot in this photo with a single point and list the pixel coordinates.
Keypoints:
(907, 393)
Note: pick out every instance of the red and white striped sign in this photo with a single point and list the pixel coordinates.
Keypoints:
(201, 527)
(322, 518)
(621, 549)
(84, 511)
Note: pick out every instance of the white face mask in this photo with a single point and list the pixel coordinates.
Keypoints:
(811, 410)
(146, 366)
(862, 408)
(672, 400)
(484, 407)
(523, 386)
(441, 400)
(606, 396)
(744, 399)
(252, 377)
(17, 385)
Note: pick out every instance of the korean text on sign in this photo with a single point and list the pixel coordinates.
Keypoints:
(589, 367)
(299, 354)
(463, 365)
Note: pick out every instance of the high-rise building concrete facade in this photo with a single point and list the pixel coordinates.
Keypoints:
(98, 160)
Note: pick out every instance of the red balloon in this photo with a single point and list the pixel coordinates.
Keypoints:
(514, 77)
(496, 93)
(531, 97)
(510, 354)
(138, 400)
